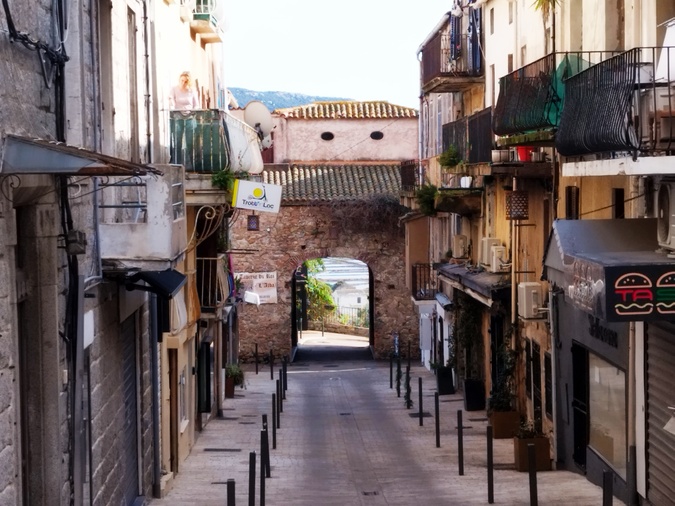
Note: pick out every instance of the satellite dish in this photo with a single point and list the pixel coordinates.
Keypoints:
(258, 116)
(267, 142)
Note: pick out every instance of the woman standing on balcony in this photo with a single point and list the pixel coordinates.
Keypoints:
(183, 99)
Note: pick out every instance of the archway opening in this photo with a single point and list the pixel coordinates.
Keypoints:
(332, 310)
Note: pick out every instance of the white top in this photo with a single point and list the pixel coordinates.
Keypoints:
(183, 100)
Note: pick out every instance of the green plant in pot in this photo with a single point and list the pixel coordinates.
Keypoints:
(504, 419)
(234, 377)
(529, 434)
(426, 199)
(450, 157)
(469, 339)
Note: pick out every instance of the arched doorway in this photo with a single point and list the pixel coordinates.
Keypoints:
(332, 305)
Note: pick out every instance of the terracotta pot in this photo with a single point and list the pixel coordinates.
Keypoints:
(541, 450)
(505, 424)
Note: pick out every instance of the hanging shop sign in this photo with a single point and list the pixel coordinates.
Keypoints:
(256, 196)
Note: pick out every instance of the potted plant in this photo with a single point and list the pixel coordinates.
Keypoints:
(527, 434)
(504, 419)
(426, 199)
(445, 382)
(450, 157)
(234, 376)
(470, 340)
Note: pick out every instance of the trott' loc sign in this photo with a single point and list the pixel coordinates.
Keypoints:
(256, 196)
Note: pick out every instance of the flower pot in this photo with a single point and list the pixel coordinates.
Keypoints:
(444, 381)
(474, 395)
(229, 387)
(524, 153)
(505, 424)
(541, 451)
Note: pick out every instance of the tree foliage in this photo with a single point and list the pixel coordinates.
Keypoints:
(319, 293)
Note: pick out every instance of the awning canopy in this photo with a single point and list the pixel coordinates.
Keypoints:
(612, 269)
(163, 283)
(482, 285)
(22, 155)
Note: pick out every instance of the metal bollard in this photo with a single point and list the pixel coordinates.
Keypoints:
(230, 492)
(264, 421)
(274, 421)
(532, 468)
(391, 372)
(256, 358)
(262, 477)
(408, 354)
(278, 406)
(285, 368)
(438, 421)
(607, 488)
(251, 479)
(490, 467)
(419, 396)
(399, 374)
(265, 453)
(460, 442)
(271, 365)
(282, 395)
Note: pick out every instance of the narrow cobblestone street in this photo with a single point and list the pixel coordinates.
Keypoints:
(347, 439)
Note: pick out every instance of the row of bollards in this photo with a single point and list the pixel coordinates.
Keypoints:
(265, 462)
(607, 484)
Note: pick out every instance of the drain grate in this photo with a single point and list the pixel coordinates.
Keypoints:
(234, 450)
(331, 366)
(230, 418)
(371, 492)
(504, 466)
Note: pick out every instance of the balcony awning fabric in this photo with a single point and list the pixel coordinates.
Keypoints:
(482, 285)
(612, 269)
(166, 283)
(22, 155)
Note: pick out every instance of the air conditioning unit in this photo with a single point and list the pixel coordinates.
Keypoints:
(459, 246)
(486, 249)
(665, 214)
(529, 300)
(497, 257)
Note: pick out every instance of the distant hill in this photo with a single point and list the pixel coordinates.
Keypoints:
(276, 99)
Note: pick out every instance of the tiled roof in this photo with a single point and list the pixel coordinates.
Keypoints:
(305, 183)
(348, 110)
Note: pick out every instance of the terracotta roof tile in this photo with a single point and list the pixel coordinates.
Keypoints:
(348, 110)
(306, 183)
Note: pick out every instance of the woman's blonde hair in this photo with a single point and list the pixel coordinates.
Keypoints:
(187, 74)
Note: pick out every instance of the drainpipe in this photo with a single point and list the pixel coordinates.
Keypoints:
(631, 479)
(148, 129)
(154, 365)
(93, 48)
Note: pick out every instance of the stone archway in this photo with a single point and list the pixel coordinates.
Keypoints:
(300, 233)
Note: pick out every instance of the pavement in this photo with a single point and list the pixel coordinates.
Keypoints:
(345, 438)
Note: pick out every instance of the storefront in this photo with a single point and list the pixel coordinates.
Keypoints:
(607, 276)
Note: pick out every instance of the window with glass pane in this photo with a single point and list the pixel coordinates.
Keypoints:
(607, 410)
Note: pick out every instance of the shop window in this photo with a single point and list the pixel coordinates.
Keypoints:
(548, 386)
(607, 412)
(528, 368)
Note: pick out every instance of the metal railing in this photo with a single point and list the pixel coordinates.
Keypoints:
(450, 55)
(531, 98)
(349, 316)
(211, 281)
(424, 282)
(412, 175)
(626, 103)
(200, 140)
(456, 133)
(481, 138)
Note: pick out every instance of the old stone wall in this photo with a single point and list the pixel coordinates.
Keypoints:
(299, 233)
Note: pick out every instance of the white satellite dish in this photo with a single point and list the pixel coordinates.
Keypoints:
(258, 116)
(267, 142)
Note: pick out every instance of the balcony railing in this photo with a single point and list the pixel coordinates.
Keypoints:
(626, 103)
(412, 175)
(212, 140)
(212, 284)
(424, 282)
(205, 21)
(531, 98)
(471, 136)
(451, 62)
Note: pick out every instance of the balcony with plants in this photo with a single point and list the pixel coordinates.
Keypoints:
(530, 102)
(215, 148)
(624, 105)
(451, 58)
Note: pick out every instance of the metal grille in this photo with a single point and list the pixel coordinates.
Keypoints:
(455, 134)
(517, 205)
(481, 138)
(424, 282)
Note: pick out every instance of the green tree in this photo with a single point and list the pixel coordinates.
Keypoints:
(319, 294)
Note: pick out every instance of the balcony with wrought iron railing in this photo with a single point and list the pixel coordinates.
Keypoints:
(623, 104)
(424, 282)
(451, 62)
(205, 21)
(531, 98)
(471, 137)
(131, 210)
(212, 285)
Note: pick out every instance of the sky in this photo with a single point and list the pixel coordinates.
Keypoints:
(357, 49)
